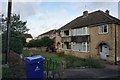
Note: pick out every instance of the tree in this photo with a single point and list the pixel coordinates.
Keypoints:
(46, 41)
(43, 42)
(18, 27)
(16, 24)
(16, 41)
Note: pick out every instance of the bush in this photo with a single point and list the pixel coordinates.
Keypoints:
(61, 54)
(93, 62)
(16, 42)
(73, 61)
(79, 63)
(6, 72)
(43, 42)
(50, 51)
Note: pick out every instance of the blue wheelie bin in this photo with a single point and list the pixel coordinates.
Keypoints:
(34, 67)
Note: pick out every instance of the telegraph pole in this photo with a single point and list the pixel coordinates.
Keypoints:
(8, 30)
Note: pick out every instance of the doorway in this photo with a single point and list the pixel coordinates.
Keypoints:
(104, 53)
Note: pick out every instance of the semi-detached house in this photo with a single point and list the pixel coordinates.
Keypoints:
(96, 34)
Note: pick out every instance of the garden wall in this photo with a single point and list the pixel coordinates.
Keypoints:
(16, 57)
(42, 49)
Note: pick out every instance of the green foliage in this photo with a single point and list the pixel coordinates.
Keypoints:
(16, 24)
(18, 27)
(61, 54)
(16, 41)
(50, 51)
(94, 63)
(45, 41)
(73, 61)
(6, 72)
(50, 62)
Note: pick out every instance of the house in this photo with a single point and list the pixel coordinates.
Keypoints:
(28, 37)
(94, 34)
(50, 34)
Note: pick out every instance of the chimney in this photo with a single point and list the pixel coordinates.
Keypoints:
(107, 12)
(85, 13)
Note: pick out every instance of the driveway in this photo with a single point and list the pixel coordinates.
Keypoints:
(110, 71)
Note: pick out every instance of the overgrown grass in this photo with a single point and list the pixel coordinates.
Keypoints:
(47, 55)
(93, 62)
(3, 58)
(53, 56)
(71, 61)
(6, 72)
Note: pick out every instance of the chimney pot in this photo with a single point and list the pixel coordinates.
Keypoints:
(85, 13)
(107, 12)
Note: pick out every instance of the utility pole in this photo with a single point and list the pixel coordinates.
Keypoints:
(8, 30)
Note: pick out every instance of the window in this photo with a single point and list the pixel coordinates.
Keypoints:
(66, 45)
(81, 31)
(58, 34)
(65, 33)
(103, 29)
(82, 47)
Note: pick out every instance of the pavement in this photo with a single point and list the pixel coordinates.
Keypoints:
(110, 71)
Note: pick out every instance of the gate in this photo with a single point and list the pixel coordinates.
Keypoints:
(51, 68)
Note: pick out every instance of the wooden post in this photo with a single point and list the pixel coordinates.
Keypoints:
(62, 70)
(8, 30)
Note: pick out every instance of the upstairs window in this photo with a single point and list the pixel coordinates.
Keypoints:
(81, 31)
(65, 33)
(103, 29)
(58, 34)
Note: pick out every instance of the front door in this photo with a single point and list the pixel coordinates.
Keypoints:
(105, 52)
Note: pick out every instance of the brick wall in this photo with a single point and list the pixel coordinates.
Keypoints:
(95, 39)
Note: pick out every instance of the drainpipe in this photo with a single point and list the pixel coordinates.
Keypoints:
(115, 47)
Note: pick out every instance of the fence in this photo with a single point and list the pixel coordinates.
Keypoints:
(51, 69)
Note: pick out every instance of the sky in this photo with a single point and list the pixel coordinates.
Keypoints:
(42, 16)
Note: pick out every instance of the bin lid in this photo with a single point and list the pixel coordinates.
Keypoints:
(34, 59)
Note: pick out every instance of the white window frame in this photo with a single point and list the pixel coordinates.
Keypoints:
(75, 33)
(62, 31)
(101, 32)
(86, 44)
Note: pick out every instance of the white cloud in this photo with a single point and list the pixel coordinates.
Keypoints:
(61, 0)
(51, 15)
(119, 10)
(26, 9)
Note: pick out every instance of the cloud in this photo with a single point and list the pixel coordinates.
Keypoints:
(25, 9)
(119, 10)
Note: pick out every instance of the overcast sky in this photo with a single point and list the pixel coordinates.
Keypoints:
(44, 16)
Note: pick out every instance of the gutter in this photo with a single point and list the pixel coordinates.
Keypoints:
(115, 46)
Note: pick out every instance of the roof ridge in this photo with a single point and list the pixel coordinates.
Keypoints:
(107, 16)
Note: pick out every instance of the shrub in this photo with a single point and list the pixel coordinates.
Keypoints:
(79, 63)
(61, 54)
(93, 62)
(73, 61)
(50, 51)
(17, 42)
(6, 72)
